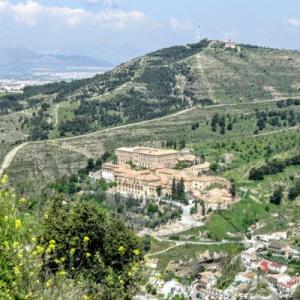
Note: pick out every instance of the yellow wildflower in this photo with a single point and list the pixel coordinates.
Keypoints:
(121, 250)
(23, 200)
(48, 283)
(17, 270)
(16, 244)
(62, 273)
(39, 249)
(18, 224)
(51, 246)
(136, 252)
(86, 239)
(4, 179)
(72, 251)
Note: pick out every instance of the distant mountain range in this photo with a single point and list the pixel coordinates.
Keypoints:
(16, 60)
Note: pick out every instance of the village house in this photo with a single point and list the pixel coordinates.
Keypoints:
(271, 267)
(283, 249)
(249, 259)
(244, 277)
(284, 284)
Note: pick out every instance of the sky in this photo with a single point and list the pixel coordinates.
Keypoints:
(117, 30)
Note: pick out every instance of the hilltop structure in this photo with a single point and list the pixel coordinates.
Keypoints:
(147, 173)
(230, 44)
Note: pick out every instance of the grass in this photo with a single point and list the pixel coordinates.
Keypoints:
(152, 133)
(157, 246)
(189, 252)
(236, 219)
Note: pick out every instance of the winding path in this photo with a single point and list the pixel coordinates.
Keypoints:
(11, 155)
(182, 243)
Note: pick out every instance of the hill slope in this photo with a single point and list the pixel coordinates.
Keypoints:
(157, 84)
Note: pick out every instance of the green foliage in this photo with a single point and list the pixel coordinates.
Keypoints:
(214, 166)
(72, 249)
(294, 191)
(100, 242)
(277, 196)
(178, 190)
(230, 268)
(235, 220)
(273, 167)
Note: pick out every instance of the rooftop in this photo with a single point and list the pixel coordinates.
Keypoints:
(148, 150)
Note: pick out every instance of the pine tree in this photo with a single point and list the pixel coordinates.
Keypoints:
(174, 189)
(181, 190)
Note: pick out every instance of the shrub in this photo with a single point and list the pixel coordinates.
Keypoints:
(91, 242)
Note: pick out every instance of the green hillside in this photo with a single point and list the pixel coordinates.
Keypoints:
(155, 85)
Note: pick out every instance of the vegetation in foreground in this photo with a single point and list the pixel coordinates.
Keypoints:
(70, 250)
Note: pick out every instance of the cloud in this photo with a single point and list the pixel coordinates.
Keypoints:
(294, 22)
(106, 3)
(181, 24)
(30, 13)
(120, 19)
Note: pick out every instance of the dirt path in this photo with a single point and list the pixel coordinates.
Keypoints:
(277, 131)
(201, 68)
(183, 243)
(10, 157)
(55, 115)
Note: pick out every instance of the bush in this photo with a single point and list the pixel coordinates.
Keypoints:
(98, 246)
(277, 196)
(79, 251)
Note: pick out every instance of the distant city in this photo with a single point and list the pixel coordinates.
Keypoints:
(16, 82)
(20, 67)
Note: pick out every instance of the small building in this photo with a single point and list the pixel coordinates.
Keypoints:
(284, 284)
(230, 44)
(279, 248)
(277, 268)
(264, 266)
(244, 277)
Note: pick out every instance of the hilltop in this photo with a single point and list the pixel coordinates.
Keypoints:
(157, 84)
